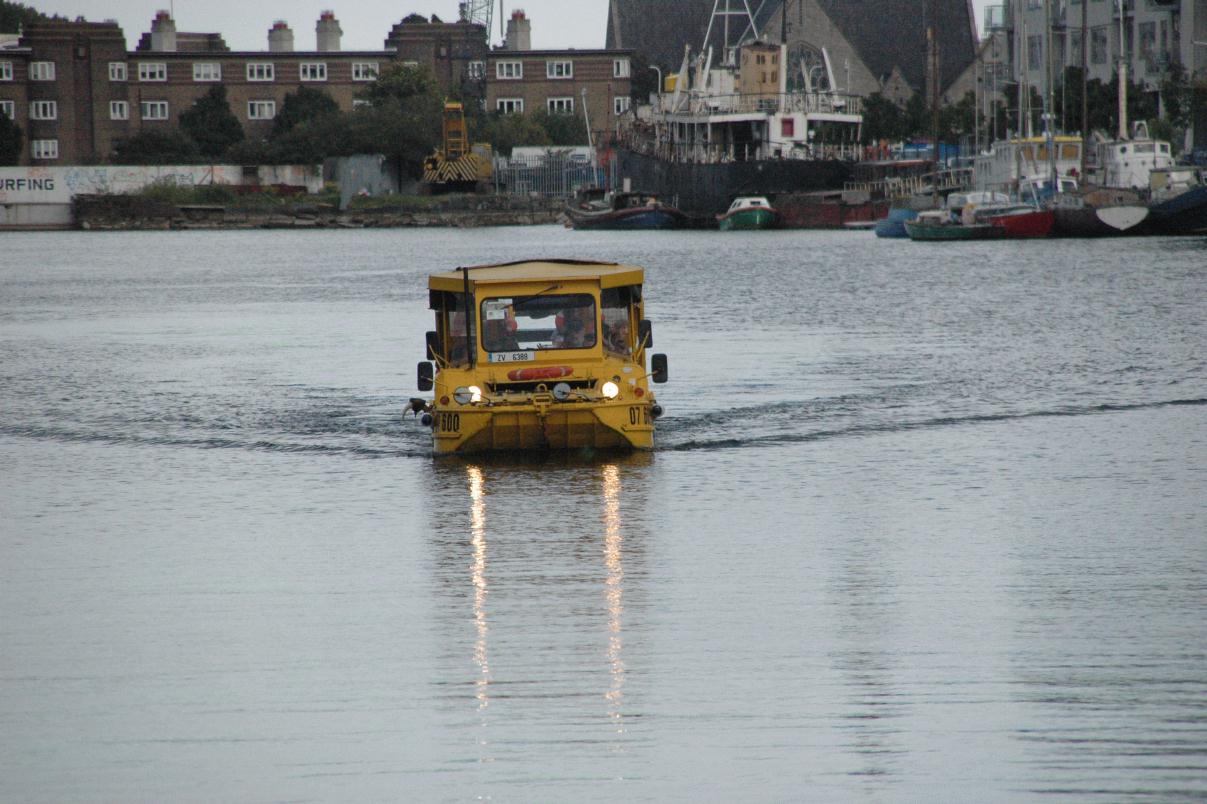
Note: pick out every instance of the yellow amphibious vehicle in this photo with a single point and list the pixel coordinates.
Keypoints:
(552, 355)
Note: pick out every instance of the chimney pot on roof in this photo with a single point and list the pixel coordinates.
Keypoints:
(280, 38)
(163, 33)
(519, 31)
(327, 32)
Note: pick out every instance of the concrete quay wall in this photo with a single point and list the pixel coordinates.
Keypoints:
(122, 212)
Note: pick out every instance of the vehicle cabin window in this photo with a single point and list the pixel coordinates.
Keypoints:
(539, 323)
(616, 306)
(450, 324)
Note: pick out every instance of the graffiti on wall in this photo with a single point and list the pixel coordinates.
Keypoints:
(58, 185)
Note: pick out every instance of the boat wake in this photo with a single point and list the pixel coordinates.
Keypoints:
(681, 435)
(377, 428)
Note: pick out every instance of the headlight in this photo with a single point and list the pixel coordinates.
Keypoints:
(464, 396)
(610, 389)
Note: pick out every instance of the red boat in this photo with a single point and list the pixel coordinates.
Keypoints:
(1020, 221)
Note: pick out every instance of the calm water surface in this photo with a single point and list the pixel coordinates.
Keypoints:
(924, 523)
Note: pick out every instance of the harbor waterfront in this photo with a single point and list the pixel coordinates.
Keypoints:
(922, 522)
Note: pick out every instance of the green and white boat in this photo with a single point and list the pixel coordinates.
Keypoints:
(748, 212)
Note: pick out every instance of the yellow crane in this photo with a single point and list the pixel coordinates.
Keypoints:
(456, 166)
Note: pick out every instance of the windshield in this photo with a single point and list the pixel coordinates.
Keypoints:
(539, 322)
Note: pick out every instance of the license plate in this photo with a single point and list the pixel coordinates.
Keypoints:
(511, 357)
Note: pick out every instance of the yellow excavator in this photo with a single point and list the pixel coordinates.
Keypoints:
(455, 166)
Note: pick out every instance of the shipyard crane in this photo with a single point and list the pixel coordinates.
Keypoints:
(479, 12)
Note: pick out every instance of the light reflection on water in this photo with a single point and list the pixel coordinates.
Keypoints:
(613, 542)
(922, 524)
(477, 498)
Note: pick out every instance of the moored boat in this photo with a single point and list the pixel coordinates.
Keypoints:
(1021, 221)
(939, 225)
(633, 210)
(552, 355)
(1179, 202)
(748, 212)
(893, 224)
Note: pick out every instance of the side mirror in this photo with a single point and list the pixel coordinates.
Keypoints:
(658, 368)
(435, 349)
(424, 381)
(645, 333)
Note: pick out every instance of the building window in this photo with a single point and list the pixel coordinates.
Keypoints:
(8, 109)
(620, 68)
(118, 71)
(509, 105)
(6, 71)
(560, 105)
(153, 110)
(559, 69)
(119, 110)
(152, 71)
(260, 71)
(621, 104)
(44, 110)
(45, 149)
(312, 71)
(1148, 43)
(207, 71)
(42, 71)
(261, 110)
(364, 71)
(509, 69)
(476, 70)
(1035, 52)
(1098, 46)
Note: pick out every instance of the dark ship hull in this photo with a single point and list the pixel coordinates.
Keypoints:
(705, 190)
(1185, 214)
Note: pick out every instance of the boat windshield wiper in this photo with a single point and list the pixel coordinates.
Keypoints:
(527, 299)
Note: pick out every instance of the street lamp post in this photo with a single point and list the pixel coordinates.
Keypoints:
(658, 70)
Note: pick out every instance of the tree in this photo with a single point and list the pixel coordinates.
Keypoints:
(16, 16)
(11, 140)
(918, 122)
(210, 123)
(404, 121)
(304, 105)
(1176, 96)
(506, 131)
(958, 119)
(311, 141)
(882, 119)
(156, 148)
(562, 129)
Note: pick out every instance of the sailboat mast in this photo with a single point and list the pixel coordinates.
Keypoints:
(1049, 116)
(1122, 76)
(1085, 83)
(1024, 91)
(932, 69)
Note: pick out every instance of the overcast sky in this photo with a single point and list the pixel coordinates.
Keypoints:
(244, 25)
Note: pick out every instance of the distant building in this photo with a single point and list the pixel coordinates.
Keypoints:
(76, 91)
(520, 79)
(1150, 36)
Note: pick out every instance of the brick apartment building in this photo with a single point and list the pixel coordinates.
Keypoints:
(76, 91)
(520, 79)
